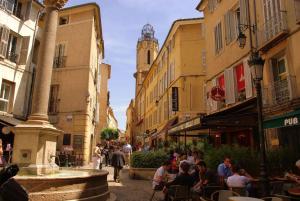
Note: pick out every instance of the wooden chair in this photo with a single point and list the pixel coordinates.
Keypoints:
(272, 199)
(209, 190)
(276, 187)
(286, 197)
(180, 193)
(223, 195)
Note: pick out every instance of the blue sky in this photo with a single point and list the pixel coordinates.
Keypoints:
(122, 22)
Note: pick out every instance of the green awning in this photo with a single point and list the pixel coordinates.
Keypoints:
(284, 120)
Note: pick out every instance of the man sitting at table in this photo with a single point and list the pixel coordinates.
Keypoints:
(207, 178)
(159, 176)
(224, 170)
(239, 181)
(183, 179)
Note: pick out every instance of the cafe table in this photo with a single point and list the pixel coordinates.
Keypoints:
(295, 191)
(239, 198)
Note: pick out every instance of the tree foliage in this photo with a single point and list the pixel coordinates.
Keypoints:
(109, 134)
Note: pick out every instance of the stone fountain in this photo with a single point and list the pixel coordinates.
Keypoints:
(35, 140)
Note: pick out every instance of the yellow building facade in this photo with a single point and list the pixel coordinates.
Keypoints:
(74, 101)
(177, 73)
(129, 132)
(272, 28)
(103, 99)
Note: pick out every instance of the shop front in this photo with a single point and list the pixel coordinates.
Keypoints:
(236, 124)
(6, 134)
(283, 130)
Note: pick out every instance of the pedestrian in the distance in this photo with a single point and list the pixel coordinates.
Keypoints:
(97, 158)
(117, 161)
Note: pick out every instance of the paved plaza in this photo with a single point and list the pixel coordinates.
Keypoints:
(128, 189)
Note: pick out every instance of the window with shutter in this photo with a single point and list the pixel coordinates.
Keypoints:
(24, 50)
(229, 86)
(214, 104)
(53, 102)
(10, 6)
(244, 12)
(297, 10)
(4, 37)
(218, 38)
(248, 80)
(59, 56)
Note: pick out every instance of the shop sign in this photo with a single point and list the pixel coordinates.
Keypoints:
(291, 121)
(175, 99)
(185, 125)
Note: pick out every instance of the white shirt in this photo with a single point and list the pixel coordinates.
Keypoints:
(127, 148)
(237, 181)
(159, 173)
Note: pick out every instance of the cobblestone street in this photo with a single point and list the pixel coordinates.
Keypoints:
(128, 189)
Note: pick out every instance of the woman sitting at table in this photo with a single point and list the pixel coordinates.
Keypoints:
(183, 179)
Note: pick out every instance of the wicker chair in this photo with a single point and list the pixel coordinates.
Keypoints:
(272, 199)
(223, 195)
(180, 193)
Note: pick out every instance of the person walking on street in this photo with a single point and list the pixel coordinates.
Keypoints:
(127, 149)
(97, 158)
(117, 161)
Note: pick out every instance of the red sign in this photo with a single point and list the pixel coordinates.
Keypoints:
(240, 77)
(221, 81)
(217, 93)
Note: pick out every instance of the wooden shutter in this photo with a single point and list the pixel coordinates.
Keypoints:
(4, 37)
(248, 80)
(227, 27)
(24, 50)
(244, 11)
(28, 10)
(297, 10)
(229, 86)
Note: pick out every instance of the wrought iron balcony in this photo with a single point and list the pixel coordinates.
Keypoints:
(59, 62)
(273, 30)
(284, 90)
(12, 56)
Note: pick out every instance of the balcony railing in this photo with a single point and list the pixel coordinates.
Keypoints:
(284, 90)
(12, 56)
(273, 30)
(59, 62)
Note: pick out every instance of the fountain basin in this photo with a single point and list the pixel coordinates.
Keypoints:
(67, 185)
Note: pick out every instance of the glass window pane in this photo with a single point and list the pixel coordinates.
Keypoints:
(3, 106)
(6, 92)
(281, 66)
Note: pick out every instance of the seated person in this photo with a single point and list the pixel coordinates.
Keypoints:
(158, 179)
(183, 179)
(293, 177)
(240, 181)
(224, 170)
(207, 178)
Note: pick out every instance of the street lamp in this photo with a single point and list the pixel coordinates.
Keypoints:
(242, 40)
(256, 64)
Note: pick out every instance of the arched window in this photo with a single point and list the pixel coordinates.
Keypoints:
(148, 57)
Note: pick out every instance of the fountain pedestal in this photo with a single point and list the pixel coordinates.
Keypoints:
(34, 148)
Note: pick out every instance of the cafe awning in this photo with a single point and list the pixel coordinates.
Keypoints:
(190, 125)
(166, 127)
(284, 120)
(241, 115)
